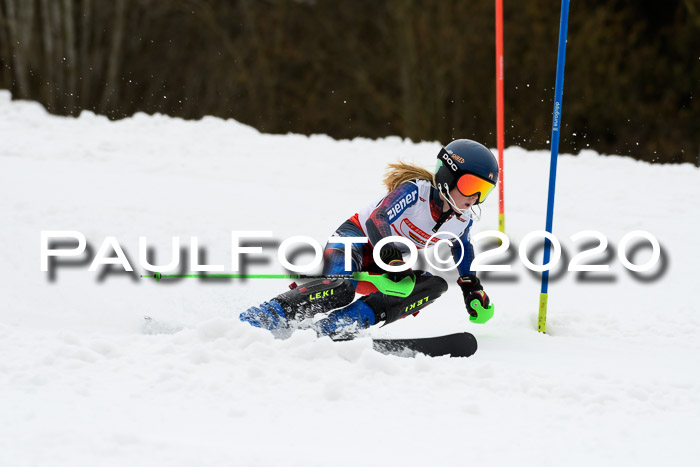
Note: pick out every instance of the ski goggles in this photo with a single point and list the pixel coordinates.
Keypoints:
(470, 185)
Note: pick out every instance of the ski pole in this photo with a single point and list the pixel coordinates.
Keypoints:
(403, 288)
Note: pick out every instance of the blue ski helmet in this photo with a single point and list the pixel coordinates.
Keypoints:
(467, 165)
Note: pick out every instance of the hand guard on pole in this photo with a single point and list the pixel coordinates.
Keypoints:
(477, 302)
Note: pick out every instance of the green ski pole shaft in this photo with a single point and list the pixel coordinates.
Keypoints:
(403, 288)
(158, 276)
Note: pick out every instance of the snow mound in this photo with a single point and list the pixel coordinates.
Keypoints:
(615, 382)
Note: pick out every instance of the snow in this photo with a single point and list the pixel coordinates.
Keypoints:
(616, 380)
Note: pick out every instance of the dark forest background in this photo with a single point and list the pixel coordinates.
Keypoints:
(415, 68)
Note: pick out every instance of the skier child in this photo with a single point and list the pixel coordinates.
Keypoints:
(418, 205)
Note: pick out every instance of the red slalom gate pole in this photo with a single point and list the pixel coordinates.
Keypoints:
(500, 137)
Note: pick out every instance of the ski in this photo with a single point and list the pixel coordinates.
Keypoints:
(462, 344)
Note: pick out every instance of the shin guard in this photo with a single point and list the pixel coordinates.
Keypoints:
(389, 309)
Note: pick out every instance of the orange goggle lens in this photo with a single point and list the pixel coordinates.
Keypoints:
(469, 185)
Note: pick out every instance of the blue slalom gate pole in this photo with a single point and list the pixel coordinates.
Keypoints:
(556, 127)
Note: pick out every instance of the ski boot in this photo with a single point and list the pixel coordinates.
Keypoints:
(377, 307)
(301, 302)
(344, 323)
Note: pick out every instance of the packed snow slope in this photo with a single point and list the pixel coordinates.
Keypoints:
(616, 381)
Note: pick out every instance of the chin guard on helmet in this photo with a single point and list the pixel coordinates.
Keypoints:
(448, 198)
(468, 166)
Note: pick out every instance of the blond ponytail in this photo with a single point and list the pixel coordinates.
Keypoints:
(400, 172)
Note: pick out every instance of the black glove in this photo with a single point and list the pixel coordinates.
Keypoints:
(472, 289)
(393, 257)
